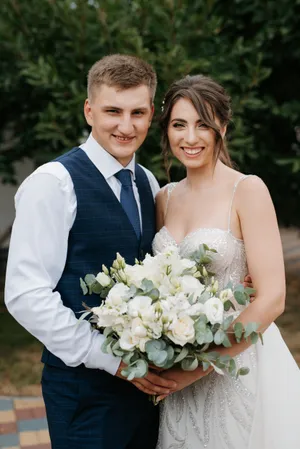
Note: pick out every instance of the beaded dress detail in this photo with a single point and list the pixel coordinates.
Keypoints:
(221, 412)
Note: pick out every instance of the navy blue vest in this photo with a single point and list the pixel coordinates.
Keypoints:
(100, 230)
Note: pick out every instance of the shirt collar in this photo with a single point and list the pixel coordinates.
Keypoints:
(104, 162)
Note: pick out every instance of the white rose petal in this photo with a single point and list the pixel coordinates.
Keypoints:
(189, 285)
(182, 331)
(117, 295)
(128, 341)
(138, 305)
(214, 310)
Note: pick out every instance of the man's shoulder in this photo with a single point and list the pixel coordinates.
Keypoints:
(152, 180)
(45, 178)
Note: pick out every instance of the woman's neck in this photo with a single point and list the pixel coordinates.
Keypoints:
(204, 177)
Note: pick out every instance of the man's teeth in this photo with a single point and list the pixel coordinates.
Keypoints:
(191, 152)
(123, 138)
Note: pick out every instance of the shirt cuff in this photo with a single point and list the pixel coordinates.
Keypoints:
(97, 359)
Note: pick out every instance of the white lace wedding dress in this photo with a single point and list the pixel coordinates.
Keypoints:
(258, 411)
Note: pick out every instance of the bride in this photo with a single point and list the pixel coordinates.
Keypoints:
(234, 214)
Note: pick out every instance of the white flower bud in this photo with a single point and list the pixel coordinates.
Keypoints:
(105, 269)
(103, 279)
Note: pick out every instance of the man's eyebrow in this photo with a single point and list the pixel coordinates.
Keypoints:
(141, 108)
(110, 107)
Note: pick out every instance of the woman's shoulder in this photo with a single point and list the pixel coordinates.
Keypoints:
(249, 184)
(252, 193)
(165, 191)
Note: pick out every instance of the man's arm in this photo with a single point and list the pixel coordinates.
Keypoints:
(37, 256)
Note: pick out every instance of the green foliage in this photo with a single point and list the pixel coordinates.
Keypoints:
(47, 47)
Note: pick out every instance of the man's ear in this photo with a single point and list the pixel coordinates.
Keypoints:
(88, 113)
(152, 113)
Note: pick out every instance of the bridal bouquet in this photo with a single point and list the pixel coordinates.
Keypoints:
(167, 310)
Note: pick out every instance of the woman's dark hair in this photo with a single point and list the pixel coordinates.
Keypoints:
(210, 101)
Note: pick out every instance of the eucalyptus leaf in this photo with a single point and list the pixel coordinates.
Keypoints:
(228, 305)
(227, 322)
(183, 353)
(155, 345)
(254, 338)
(219, 337)
(209, 338)
(96, 288)
(242, 371)
(240, 298)
(107, 331)
(90, 279)
(249, 328)
(232, 367)
(189, 364)
(127, 358)
(238, 329)
(83, 287)
(205, 365)
(226, 342)
(217, 369)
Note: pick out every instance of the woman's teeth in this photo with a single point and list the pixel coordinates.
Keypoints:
(192, 152)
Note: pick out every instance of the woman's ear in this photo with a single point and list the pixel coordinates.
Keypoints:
(223, 131)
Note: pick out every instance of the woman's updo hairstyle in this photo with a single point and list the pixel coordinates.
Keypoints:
(210, 101)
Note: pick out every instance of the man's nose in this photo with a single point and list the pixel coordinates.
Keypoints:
(126, 125)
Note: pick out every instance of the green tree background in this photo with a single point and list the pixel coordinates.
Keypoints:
(251, 46)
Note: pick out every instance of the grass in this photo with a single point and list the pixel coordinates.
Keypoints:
(20, 352)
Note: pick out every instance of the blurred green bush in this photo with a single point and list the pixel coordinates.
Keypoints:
(251, 47)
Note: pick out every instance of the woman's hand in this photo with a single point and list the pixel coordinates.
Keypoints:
(182, 378)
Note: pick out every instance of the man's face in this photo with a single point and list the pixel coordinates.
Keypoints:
(120, 119)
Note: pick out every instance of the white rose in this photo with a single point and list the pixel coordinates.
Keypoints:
(117, 295)
(187, 263)
(127, 340)
(138, 329)
(138, 305)
(214, 310)
(189, 285)
(196, 309)
(107, 317)
(226, 294)
(182, 331)
(103, 279)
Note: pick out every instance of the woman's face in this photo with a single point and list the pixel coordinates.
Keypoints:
(191, 142)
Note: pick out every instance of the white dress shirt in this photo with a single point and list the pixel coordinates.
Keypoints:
(45, 212)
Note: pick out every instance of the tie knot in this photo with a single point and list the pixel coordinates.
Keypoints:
(124, 176)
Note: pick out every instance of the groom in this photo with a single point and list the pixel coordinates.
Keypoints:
(72, 216)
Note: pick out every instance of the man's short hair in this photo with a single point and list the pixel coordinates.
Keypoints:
(123, 71)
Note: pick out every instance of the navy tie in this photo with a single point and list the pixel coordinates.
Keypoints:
(128, 200)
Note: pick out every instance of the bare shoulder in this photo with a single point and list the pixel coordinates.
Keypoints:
(253, 198)
(162, 197)
(251, 185)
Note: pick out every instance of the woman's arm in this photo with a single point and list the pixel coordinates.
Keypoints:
(161, 201)
(264, 257)
(261, 236)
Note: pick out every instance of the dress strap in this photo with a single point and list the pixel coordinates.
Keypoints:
(232, 198)
(169, 187)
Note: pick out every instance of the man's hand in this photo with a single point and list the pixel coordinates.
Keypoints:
(152, 383)
(183, 378)
(248, 283)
